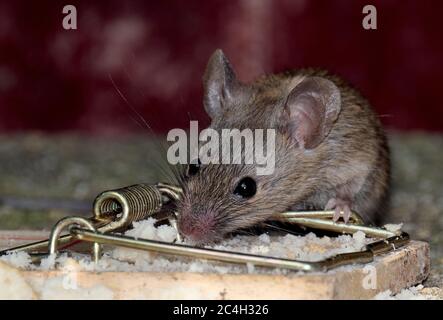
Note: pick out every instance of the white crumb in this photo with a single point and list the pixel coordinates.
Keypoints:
(360, 238)
(412, 293)
(393, 227)
(17, 259)
(145, 229)
(48, 262)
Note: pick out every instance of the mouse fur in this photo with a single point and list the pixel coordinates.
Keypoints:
(331, 152)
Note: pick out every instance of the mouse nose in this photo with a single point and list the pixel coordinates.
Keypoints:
(196, 228)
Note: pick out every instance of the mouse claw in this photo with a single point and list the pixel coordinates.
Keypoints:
(341, 208)
(347, 213)
(337, 214)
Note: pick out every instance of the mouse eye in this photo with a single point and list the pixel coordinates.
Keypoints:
(194, 167)
(246, 188)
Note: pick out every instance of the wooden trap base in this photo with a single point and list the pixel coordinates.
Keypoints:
(394, 271)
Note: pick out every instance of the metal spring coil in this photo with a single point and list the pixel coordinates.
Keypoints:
(140, 201)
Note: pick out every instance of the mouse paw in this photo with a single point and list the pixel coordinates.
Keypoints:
(341, 208)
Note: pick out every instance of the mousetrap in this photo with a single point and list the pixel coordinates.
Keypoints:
(397, 261)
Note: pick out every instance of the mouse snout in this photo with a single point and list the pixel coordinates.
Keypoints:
(197, 228)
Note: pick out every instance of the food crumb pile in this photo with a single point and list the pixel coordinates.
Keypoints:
(413, 293)
(305, 248)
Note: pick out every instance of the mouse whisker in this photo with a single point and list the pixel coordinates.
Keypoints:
(269, 225)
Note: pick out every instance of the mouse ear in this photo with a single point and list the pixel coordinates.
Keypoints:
(219, 82)
(311, 109)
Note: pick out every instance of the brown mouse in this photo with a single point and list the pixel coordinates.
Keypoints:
(331, 152)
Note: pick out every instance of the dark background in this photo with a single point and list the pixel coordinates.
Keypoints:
(57, 80)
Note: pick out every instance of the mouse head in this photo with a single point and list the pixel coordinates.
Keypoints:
(221, 198)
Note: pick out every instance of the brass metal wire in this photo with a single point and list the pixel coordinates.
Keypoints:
(126, 205)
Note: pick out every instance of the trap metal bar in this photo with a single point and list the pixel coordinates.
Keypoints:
(115, 210)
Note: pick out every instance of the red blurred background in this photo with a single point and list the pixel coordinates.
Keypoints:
(155, 53)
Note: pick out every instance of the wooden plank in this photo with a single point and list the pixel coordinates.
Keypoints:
(397, 270)
(11, 238)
